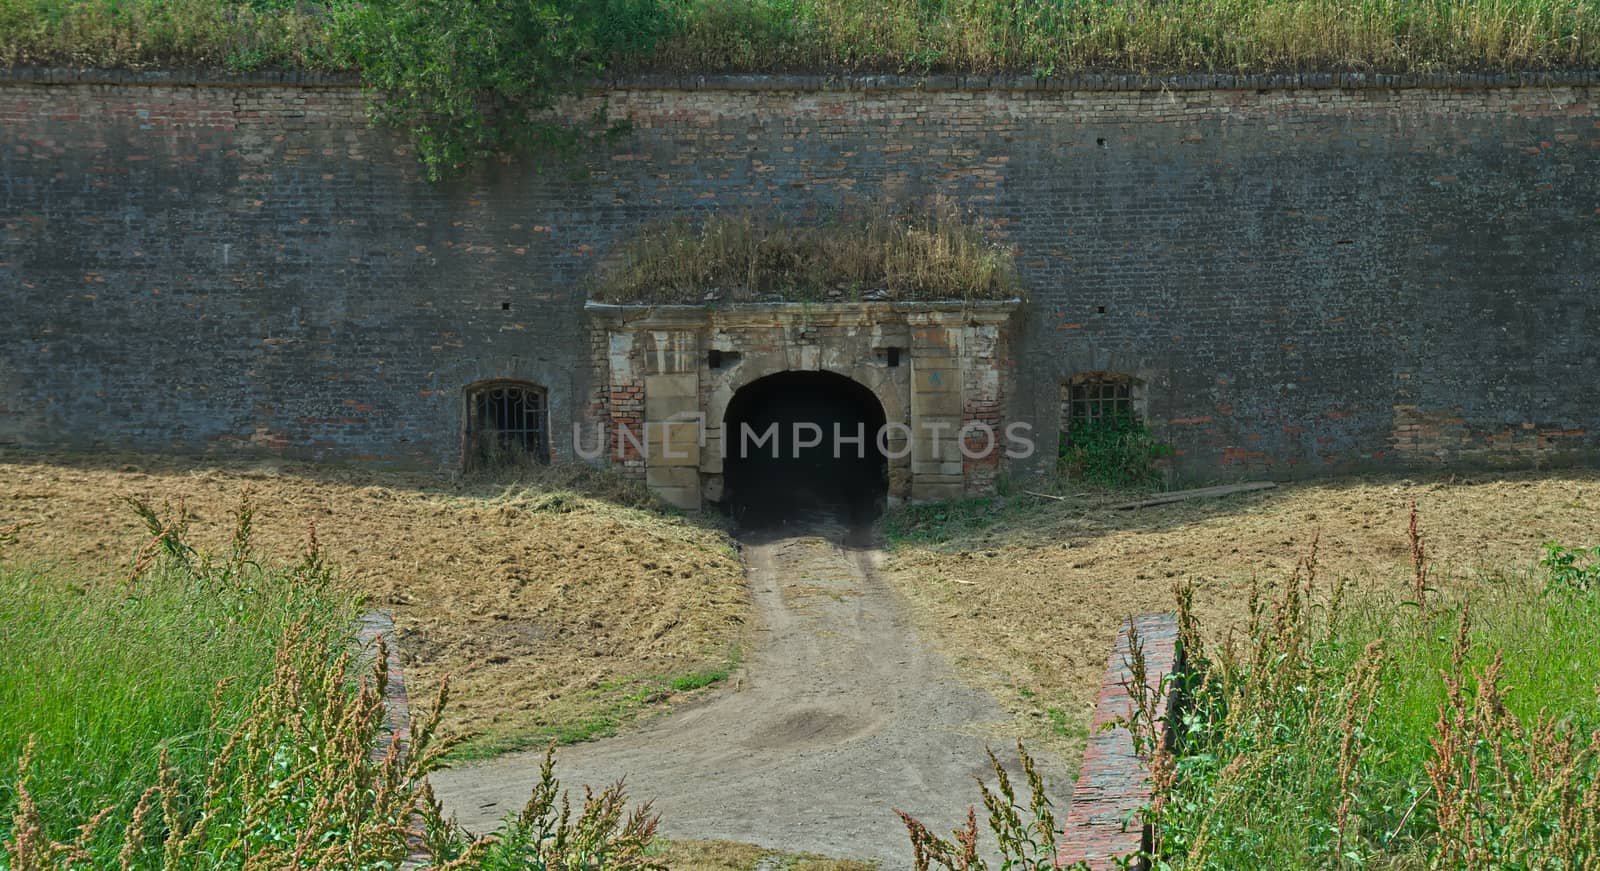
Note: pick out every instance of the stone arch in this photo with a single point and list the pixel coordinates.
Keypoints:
(889, 398)
(803, 441)
(672, 371)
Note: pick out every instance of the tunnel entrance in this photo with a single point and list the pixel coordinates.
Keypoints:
(783, 461)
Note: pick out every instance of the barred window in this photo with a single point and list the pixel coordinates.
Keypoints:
(1090, 399)
(507, 424)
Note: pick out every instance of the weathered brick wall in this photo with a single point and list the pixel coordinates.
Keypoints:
(1306, 277)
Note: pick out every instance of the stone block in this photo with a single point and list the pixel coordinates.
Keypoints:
(935, 379)
(936, 404)
(944, 449)
(674, 444)
(671, 397)
(672, 476)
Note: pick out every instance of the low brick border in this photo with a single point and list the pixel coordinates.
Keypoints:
(396, 705)
(788, 82)
(1102, 824)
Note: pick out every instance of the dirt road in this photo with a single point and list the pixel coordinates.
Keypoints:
(840, 714)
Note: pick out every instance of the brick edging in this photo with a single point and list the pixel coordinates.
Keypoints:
(861, 83)
(1102, 824)
(396, 704)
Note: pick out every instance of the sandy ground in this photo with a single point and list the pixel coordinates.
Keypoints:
(553, 613)
(1027, 605)
(841, 714)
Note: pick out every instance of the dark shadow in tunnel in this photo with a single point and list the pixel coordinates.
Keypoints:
(772, 473)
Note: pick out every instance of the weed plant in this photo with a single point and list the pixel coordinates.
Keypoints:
(208, 713)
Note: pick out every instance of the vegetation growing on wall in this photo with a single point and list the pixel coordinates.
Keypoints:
(1067, 36)
(495, 43)
(467, 80)
(1118, 451)
(937, 253)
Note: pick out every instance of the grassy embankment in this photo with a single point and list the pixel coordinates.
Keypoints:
(1396, 696)
(981, 36)
(209, 711)
(1025, 594)
(1439, 728)
(105, 678)
(561, 607)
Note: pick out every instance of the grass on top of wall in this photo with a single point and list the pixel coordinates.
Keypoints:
(984, 36)
(937, 253)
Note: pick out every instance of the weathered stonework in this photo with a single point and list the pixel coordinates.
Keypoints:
(932, 366)
(1307, 274)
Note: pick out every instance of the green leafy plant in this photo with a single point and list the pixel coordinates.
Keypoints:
(468, 80)
(1565, 570)
(1119, 451)
(545, 834)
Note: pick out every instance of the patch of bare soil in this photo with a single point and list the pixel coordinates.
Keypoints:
(1027, 606)
(555, 614)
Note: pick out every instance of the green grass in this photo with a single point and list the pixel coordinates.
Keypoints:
(1266, 777)
(605, 709)
(1064, 725)
(708, 36)
(940, 522)
(102, 679)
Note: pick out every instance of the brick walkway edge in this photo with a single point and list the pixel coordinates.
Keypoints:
(1103, 824)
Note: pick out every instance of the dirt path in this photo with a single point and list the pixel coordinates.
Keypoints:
(841, 714)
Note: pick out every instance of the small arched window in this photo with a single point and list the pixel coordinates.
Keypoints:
(508, 423)
(1095, 399)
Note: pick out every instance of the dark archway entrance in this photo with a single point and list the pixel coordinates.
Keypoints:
(782, 459)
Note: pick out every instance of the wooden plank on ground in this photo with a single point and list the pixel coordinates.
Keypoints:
(1198, 493)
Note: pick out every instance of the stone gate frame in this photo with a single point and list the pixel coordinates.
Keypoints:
(934, 366)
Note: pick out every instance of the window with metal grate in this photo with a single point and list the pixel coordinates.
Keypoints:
(507, 423)
(1101, 397)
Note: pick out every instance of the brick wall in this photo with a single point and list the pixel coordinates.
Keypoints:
(1308, 274)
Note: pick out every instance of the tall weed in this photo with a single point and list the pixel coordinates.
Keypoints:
(1451, 732)
(209, 714)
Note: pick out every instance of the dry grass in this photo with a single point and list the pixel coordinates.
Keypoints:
(731, 856)
(988, 36)
(555, 613)
(1028, 606)
(977, 36)
(934, 254)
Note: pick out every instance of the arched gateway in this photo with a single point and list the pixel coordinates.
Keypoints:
(672, 376)
(802, 441)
